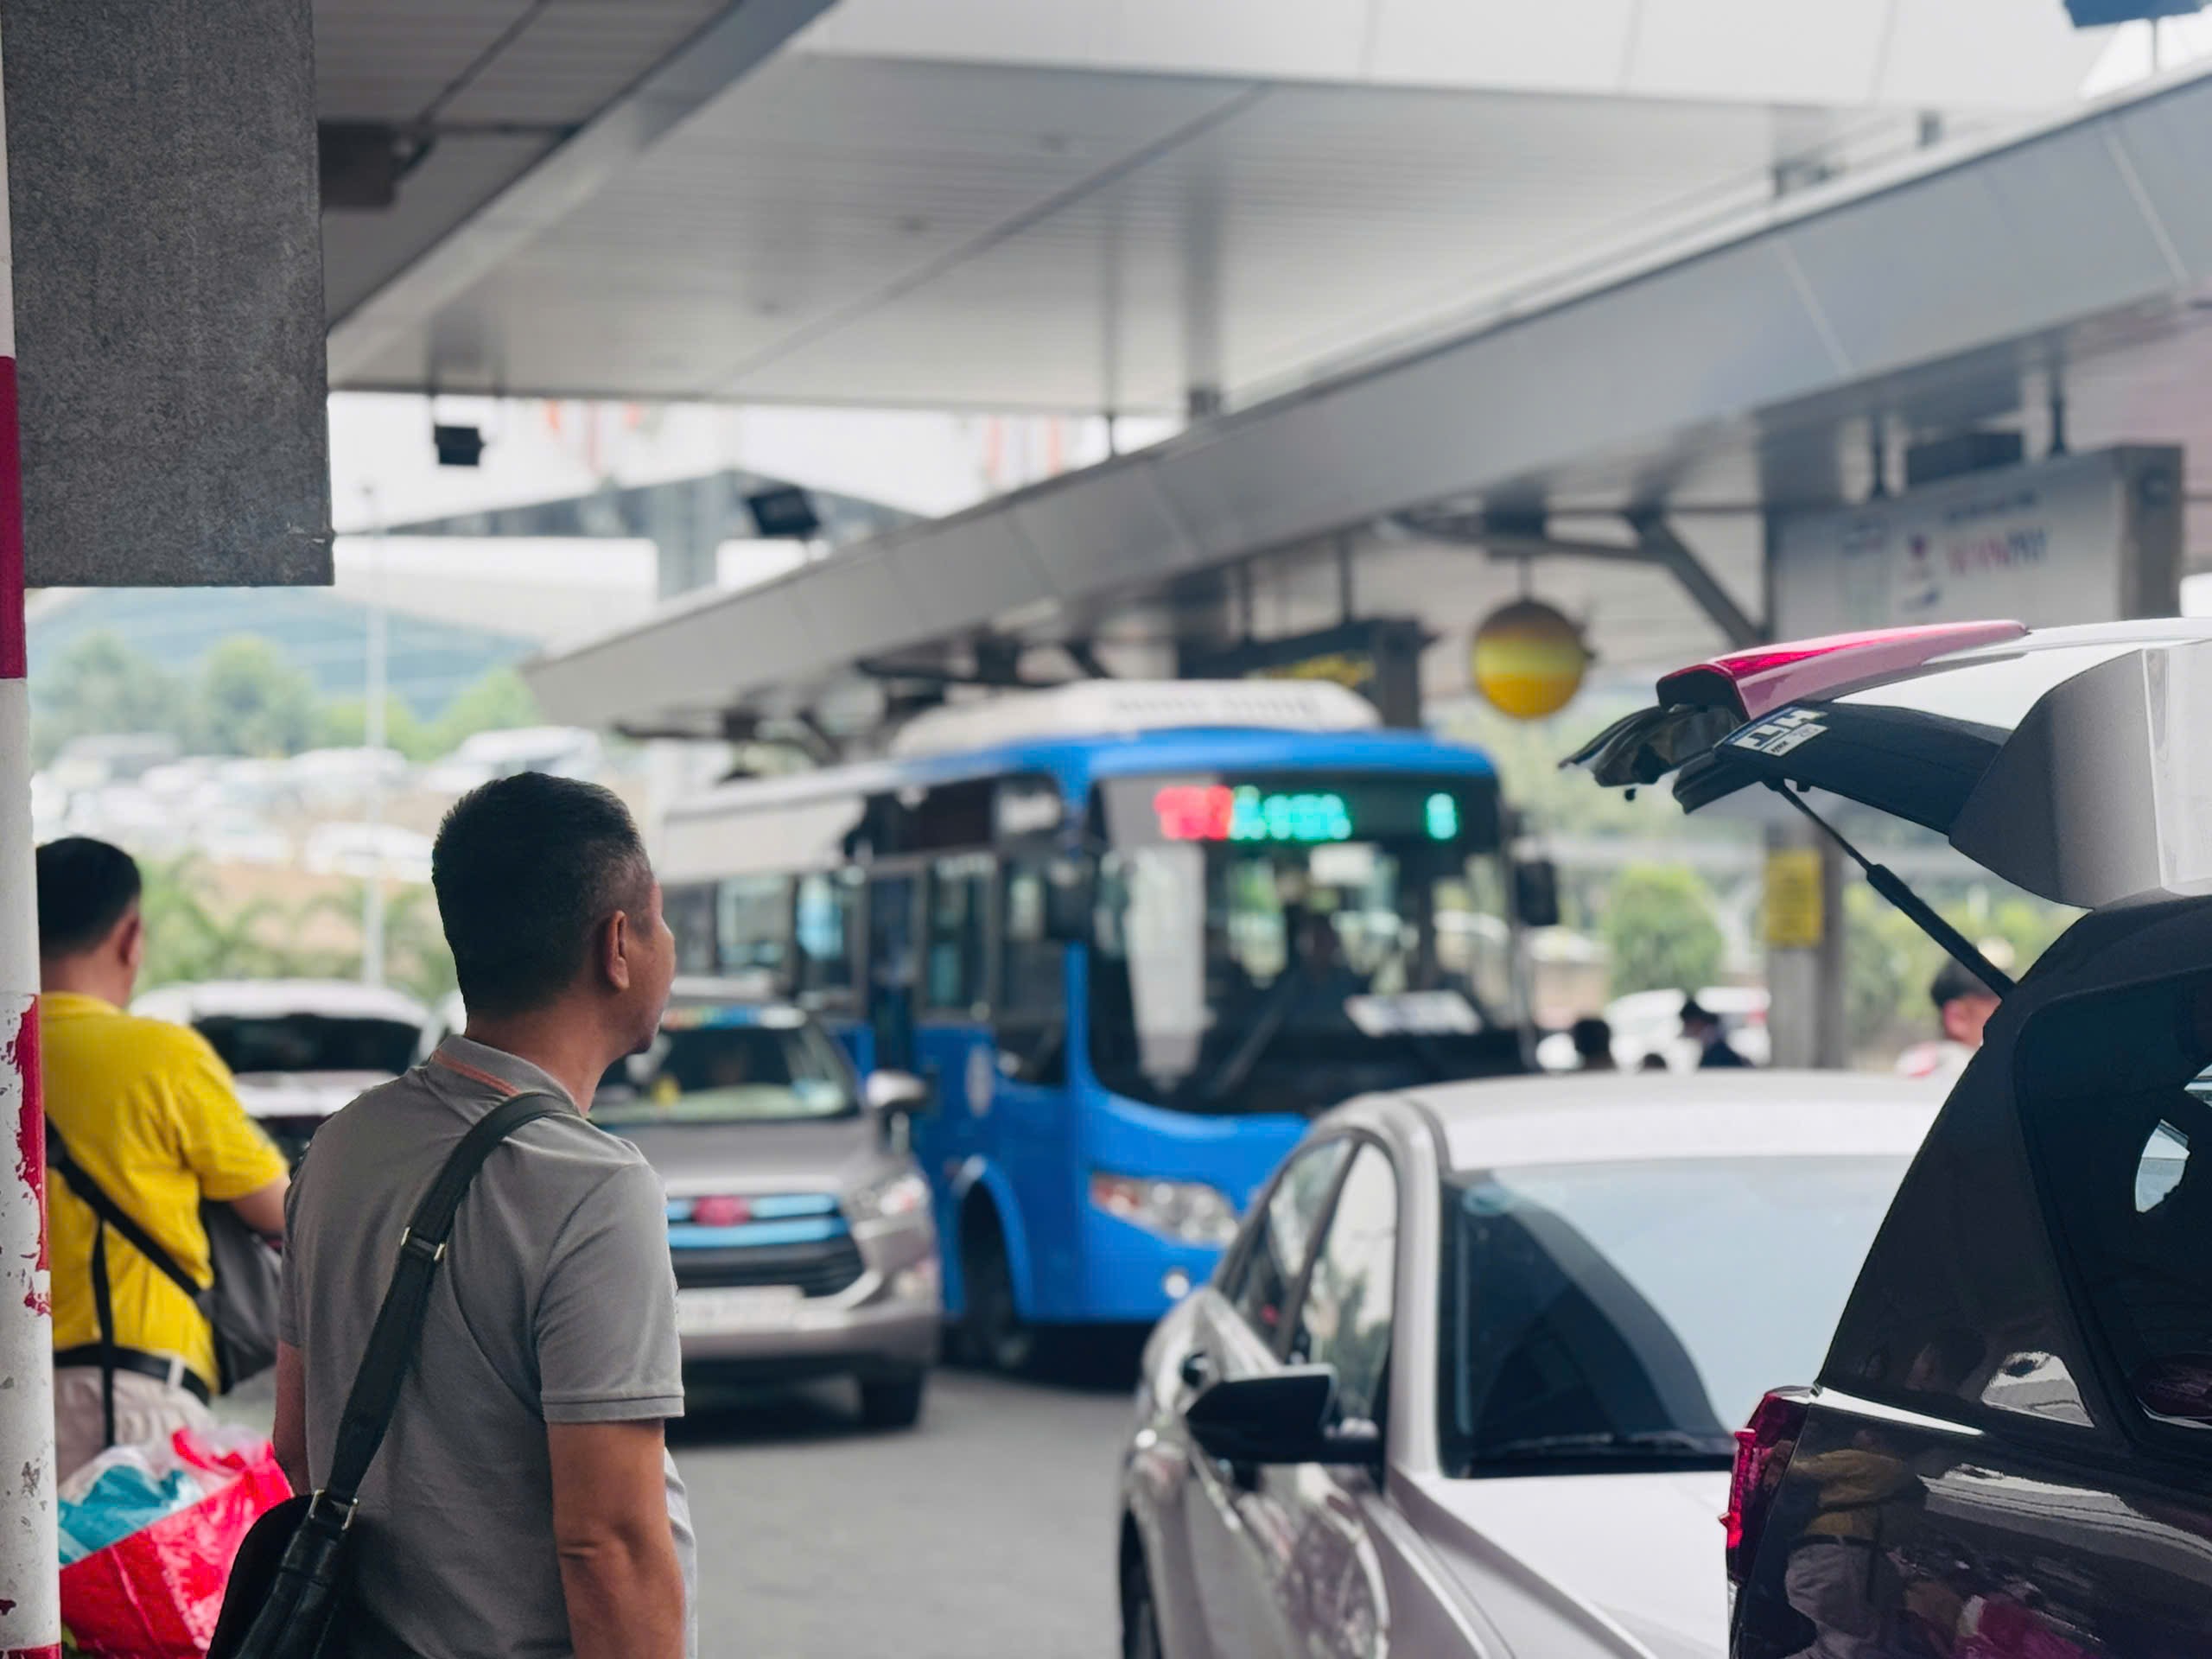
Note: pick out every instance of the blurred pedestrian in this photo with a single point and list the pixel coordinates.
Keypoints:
(146, 1111)
(1702, 1026)
(1593, 1044)
(523, 1502)
(1963, 1005)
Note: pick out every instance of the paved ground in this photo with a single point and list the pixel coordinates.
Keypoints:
(987, 1533)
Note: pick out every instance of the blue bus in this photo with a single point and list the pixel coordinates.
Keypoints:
(1134, 936)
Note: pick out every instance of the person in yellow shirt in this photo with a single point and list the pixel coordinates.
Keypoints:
(147, 1110)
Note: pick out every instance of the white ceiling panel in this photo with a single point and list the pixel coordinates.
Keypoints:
(856, 230)
(1562, 46)
(1795, 53)
(1934, 54)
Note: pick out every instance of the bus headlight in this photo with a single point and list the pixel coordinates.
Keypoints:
(903, 1194)
(1190, 1212)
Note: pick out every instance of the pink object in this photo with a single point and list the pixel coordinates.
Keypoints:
(1759, 681)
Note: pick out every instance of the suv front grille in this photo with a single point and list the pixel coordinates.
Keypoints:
(821, 1268)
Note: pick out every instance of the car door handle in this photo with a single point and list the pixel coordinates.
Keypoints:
(1196, 1370)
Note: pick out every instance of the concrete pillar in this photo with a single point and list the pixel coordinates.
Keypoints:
(1809, 1020)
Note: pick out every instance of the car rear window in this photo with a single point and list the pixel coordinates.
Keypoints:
(2119, 1111)
(310, 1042)
(1597, 1312)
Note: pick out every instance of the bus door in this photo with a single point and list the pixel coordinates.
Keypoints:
(1030, 1110)
(892, 967)
(952, 1041)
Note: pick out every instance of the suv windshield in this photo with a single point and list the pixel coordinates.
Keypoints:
(1277, 943)
(310, 1042)
(1598, 1313)
(702, 1072)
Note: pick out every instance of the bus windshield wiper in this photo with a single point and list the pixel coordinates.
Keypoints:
(1654, 1444)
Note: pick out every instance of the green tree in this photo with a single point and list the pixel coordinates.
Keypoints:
(499, 701)
(345, 725)
(1889, 963)
(188, 940)
(254, 699)
(101, 687)
(1659, 927)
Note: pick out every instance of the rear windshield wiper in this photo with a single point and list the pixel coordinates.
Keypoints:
(1646, 1445)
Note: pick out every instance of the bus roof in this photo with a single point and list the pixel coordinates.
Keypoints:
(804, 818)
(1092, 708)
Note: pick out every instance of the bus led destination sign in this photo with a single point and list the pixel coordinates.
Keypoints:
(1246, 812)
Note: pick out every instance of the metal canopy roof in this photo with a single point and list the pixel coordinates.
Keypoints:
(968, 203)
(1741, 377)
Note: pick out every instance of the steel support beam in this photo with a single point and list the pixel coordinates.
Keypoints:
(710, 64)
(1656, 544)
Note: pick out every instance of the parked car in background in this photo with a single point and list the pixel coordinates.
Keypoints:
(328, 780)
(561, 751)
(1466, 1382)
(2008, 1450)
(1647, 1026)
(799, 1223)
(364, 850)
(299, 1048)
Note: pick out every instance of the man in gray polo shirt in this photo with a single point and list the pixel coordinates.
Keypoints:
(525, 1502)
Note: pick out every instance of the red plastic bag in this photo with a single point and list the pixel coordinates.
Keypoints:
(155, 1594)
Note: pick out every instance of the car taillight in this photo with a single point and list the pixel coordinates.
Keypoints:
(1761, 1455)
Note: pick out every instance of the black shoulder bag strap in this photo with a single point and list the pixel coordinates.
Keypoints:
(95, 1198)
(291, 1581)
(109, 1214)
(392, 1340)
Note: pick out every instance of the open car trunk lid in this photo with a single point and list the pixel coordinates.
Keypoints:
(2075, 763)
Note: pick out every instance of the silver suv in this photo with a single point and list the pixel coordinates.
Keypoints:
(799, 1223)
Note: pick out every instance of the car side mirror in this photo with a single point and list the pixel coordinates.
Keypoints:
(899, 1094)
(1068, 901)
(1535, 892)
(1286, 1416)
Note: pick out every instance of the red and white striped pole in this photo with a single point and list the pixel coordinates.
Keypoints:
(30, 1596)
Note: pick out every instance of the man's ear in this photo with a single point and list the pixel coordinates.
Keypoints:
(617, 941)
(130, 939)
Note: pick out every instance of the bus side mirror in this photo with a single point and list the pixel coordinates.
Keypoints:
(1535, 893)
(1068, 902)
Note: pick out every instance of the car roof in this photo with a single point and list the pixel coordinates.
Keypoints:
(1629, 1117)
(252, 998)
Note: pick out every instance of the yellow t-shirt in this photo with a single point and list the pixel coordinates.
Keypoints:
(148, 1109)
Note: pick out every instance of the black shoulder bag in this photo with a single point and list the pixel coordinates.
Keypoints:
(291, 1582)
(240, 1304)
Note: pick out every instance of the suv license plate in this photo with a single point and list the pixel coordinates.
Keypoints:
(715, 1313)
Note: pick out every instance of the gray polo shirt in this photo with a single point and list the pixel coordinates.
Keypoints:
(555, 1304)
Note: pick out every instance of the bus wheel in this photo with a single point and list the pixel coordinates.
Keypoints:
(993, 1334)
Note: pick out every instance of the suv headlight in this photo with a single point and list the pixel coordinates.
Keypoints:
(903, 1194)
(1190, 1212)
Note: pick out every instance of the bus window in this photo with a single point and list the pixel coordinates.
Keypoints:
(959, 899)
(690, 913)
(823, 935)
(1031, 1017)
(753, 924)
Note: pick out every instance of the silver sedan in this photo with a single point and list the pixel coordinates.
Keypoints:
(1467, 1382)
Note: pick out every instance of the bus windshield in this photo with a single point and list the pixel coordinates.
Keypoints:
(1276, 944)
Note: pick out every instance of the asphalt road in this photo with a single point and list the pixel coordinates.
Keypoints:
(986, 1533)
